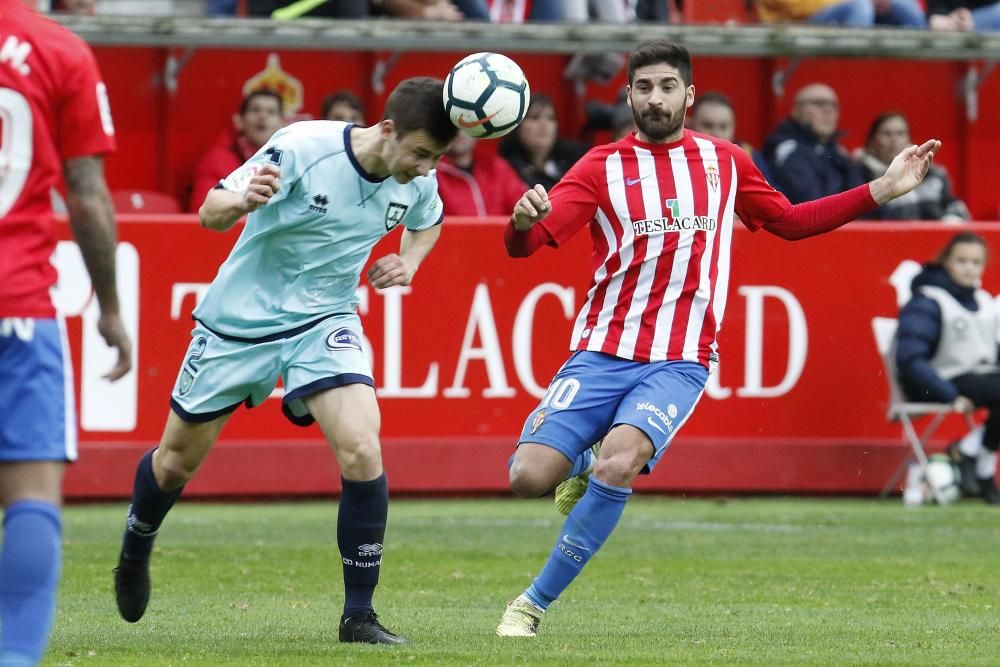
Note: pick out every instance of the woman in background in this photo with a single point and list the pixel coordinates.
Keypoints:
(535, 150)
(931, 200)
(946, 351)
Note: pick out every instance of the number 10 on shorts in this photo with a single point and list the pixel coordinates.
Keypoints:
(561, 393)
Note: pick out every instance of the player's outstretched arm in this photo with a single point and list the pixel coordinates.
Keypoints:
(531, 208)
(905, 172)
(92, 218)
(222, 208)
(399, 269)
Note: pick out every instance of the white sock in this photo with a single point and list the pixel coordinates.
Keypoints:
(986, 464)
(972, 443)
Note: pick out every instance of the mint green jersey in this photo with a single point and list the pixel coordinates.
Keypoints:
(300, 257)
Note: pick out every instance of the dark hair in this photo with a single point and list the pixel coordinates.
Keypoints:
(881, 120)
(345, 96)
(711, 97)
(656, 51)
(262, 92)
(961, 237)
(511, 143)
(540, 100)
(417, 104)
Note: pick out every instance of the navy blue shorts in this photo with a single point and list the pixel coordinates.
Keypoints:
(594, 392)
(37, 420)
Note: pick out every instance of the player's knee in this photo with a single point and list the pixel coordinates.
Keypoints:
(529, 483)
(173, 471)
(359, 451)
(618, 470)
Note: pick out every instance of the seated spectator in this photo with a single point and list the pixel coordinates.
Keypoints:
(84, 7)
(963, 15)
(712, 113)
(615, 11)
(518, 11)
(341, 9)
(261, 115)
(852, 13)
(622, 122)
(804, 159)
(903, 13)
(343, 105)
(535, 150)
(221, 8)
(931, 200)
(477, 183)
(428, 10)
(946, 351)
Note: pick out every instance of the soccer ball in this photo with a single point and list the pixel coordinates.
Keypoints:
(486, 95)
(943, 478)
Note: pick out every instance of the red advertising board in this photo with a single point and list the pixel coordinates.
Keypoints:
(461, 357)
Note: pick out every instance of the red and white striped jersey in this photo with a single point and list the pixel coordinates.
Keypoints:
(53, 107)
(661, 219)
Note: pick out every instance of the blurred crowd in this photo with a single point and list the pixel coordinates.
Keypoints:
(950, 15)
(802, 157)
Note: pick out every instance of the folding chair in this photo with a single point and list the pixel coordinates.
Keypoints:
(904, 411)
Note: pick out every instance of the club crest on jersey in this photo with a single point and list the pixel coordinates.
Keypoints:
(343, 339)
(394, 215)
(537, 421)
(712, 174)
(673, 222)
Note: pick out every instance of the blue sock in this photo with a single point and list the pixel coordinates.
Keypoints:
(581, 463)
(364, 507)
(586, 528)
(148, 509)
(29, 574)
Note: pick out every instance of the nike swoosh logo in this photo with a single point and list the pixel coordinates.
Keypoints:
(633, 181)
(574, 544)
(469, 124)
(655, 425)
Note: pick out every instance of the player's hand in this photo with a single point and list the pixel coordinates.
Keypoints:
(963, 404)
(905, 172)
(963, 19)
(442, 10)
(113, 331)
(389, 271)
(942, 23)
(263, 185)
(531, 208)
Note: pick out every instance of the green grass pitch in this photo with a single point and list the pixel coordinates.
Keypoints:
(681, 582)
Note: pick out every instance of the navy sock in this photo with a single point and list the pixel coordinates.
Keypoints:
(29, 575)
(364, 507)
(586, 529)
(148, 509)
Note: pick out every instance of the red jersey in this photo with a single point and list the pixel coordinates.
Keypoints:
(53, 107)
(661, 219)
(225, 156)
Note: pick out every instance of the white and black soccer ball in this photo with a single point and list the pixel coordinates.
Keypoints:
(942, 476)
(486, 95)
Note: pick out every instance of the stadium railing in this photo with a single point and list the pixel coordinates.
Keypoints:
(383, 34)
